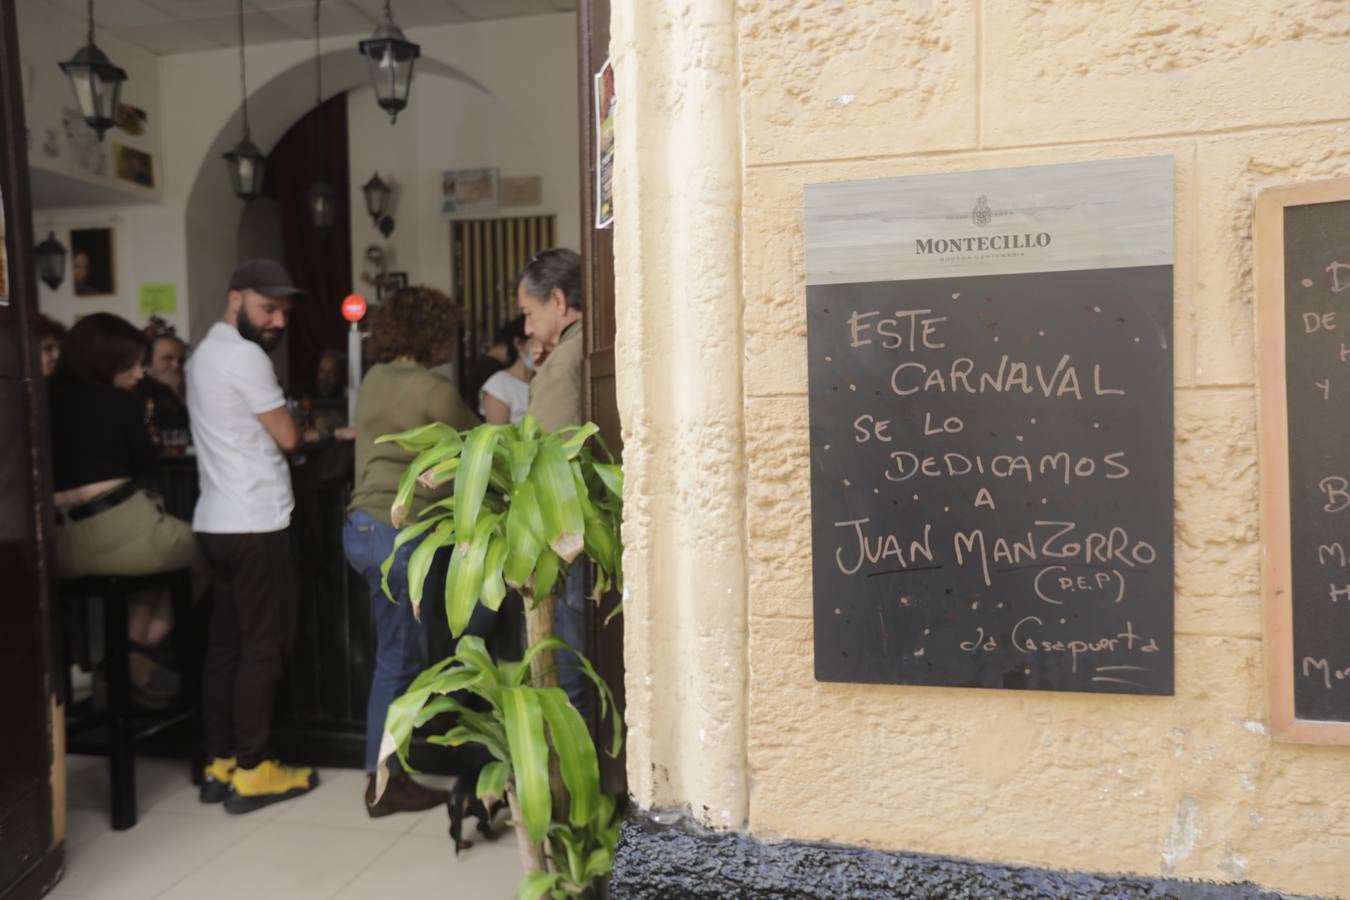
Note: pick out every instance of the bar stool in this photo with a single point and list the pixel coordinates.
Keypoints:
(119, 721)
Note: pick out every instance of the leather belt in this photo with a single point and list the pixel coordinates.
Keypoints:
(93, 507)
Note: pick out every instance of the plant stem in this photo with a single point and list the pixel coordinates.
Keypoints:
(531, 854)
(539, 625)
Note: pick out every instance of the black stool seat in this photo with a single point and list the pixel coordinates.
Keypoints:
(122, 727)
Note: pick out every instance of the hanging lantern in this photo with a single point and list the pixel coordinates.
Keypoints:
(247, 165)
(97, 82)
(321, 198)
(389, 59)
(245, 161)
(51, 261)
(322, 201)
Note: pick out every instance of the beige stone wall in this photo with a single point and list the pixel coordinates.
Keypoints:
(1242, 94)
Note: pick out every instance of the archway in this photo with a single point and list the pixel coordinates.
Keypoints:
(212, 213)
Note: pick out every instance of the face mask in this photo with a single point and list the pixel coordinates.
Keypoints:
(526, 358)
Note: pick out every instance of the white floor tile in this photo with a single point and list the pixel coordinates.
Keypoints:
(418, 866)
(83, 825)
(286, 862)
(339, 801)
(156, 779)
(142, 862)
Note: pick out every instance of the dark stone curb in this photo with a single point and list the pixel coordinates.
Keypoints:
(660, 859)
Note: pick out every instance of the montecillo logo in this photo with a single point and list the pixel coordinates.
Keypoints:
(982, 215)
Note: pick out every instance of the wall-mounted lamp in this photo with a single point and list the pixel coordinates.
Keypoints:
(51, 261)
(378, 195)
(97, 82)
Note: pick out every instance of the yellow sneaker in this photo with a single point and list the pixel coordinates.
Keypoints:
(267, 783)
(216, 779)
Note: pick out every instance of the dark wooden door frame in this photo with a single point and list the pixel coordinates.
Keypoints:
(30, 859)
(604, 642)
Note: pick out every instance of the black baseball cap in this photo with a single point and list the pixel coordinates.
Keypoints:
(266, 276)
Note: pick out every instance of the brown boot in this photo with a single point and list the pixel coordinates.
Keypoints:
(402, 794)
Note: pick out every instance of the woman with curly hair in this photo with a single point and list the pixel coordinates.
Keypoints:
(413, 331)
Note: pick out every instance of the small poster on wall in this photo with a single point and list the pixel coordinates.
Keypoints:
(4, 256)
(92, 269)
(468, 191)
(604, 145)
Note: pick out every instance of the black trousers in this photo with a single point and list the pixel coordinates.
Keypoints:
(255, 600)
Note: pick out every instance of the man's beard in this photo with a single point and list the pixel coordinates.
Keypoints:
(264, 338)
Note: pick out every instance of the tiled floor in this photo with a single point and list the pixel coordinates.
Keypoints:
(313, 848)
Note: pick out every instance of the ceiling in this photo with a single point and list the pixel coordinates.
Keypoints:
(185, 26)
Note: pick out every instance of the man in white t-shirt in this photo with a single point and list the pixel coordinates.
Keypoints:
(241, 429)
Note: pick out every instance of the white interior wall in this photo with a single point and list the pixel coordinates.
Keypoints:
(500, 93)
(147, 249)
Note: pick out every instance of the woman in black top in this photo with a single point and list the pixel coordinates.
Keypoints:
(104, 525)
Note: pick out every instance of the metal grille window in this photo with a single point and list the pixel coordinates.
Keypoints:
(488, 254)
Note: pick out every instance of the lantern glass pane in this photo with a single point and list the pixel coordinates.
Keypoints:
(81, 79)
(106, 93)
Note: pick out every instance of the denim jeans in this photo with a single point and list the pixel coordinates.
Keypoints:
(400, 639)
(569, 624)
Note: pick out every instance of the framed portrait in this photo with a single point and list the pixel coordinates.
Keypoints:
(390, 283)
(92, 262)
(469, 191)
(134, 165)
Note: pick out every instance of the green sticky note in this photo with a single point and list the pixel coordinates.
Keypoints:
(159, 299)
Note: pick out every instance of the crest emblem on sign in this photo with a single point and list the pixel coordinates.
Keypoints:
(982, 214)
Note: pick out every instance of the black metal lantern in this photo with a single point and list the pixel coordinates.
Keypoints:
(245, 161)
(97, 82)
(321, 198)
(322, 201)
(247, 165)
(51, 261)
(389, 59)
(377, 195)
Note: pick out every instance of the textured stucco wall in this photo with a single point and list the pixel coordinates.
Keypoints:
(1242, 94)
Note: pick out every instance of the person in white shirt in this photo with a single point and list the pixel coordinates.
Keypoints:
(505, 396)
(241, 429)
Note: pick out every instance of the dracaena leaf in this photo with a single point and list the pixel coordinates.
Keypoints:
(576, 753)
(524, 535)
(471, 481)
(419, 563)
(464, 582)
(529, 755)
(559, 506)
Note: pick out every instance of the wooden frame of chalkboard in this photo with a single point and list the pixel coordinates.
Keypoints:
(1312, 707)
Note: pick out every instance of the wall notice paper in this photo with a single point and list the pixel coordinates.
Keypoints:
(4, 256)
(605, 104)
(159, 299)
(990, 392)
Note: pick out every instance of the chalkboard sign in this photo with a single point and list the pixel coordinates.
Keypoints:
(990, 379)
(1303, 297)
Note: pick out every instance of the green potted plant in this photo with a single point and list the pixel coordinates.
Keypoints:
(525, 504)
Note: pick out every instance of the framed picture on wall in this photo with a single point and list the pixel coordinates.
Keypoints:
(390, 283)
(469, 191)
(93, 270)
(134, 165)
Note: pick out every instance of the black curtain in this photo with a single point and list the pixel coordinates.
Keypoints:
(319, 260)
